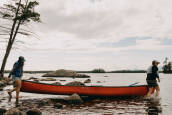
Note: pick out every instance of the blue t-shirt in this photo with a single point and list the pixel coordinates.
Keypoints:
(17, 70)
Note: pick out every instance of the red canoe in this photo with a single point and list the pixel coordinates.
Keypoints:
(43, 88)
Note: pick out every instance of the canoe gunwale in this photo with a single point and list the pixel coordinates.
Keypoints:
(84, 86)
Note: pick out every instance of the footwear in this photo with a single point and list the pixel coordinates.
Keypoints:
(17, 102)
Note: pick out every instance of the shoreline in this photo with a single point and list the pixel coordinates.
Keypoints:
(118, 71)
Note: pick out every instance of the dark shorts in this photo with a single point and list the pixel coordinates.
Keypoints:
(152, 83)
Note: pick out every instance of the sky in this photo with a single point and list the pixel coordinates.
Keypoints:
(88, 34)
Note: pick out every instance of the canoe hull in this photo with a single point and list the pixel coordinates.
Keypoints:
(42, 88)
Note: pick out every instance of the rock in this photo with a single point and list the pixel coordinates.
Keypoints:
(3, 83)
(32, 78)
(58, 106)
(13, 111)
(34, 112)
(65, 73)
(57, 100)
(57, 83)
(23, 108)
(74, 99)
(75, 83)
(45, 102)
(98, 81)
(1, 88)
(82, 76)
(105, 76)
(48, 79)
(10, 83)
(87, 81)
(2, 111)
(36, 80)
(62, 80)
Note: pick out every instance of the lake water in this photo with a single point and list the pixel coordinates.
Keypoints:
(109, 106)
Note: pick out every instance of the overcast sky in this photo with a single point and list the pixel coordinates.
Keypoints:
(88, 34)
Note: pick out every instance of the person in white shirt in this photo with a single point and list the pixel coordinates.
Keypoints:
(152, 76)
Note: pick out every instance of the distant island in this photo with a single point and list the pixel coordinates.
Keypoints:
(100, 70)
(95, 71)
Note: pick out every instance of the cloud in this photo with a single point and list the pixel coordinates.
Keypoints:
(92, 33)
(83, 25)
(108, 19)
(87, 23)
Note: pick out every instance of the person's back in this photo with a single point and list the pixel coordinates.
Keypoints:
(152, 75)
(17, 70)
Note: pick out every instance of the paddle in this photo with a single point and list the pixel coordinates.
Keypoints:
(134, 83)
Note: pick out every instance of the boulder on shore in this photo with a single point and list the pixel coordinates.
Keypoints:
(34, 112)
(36, 80)
(2, 111)
(1, 88)
(32, 78)
(3, 83)
(75, 83)
(45, 102)
(98, 81)
(13, 111)
(87, 81)
(58, 106)
(57, 83)
(48, 79)
(65, 73)
(74, 99)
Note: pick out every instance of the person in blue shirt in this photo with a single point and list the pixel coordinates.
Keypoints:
(152, 76)
(16, 76)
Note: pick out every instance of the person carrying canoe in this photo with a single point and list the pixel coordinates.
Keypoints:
(152, 75)
(16, 73)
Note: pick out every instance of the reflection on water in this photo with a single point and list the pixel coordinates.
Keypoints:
(103, 106)
(154, 107)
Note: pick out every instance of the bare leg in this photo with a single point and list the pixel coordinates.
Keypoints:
(153, 90)
(157, 90)
(10, 93)
(18, 82)
(150, 92)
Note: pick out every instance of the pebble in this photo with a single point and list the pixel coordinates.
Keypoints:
(1, 89)
(58, 106)
(74, 99)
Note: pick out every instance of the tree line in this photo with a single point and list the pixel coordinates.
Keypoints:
(167, 66)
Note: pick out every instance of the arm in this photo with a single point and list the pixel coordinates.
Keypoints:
(9, 77)
(158, 80)
(15, 66)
